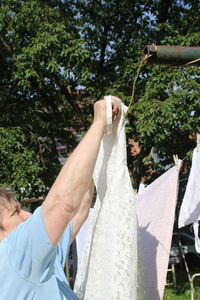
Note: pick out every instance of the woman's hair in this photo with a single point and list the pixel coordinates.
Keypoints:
(7, 196)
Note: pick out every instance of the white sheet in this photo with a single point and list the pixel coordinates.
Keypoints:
(155, 210)
(190, 208)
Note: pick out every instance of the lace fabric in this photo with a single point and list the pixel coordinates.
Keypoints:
(110, 267)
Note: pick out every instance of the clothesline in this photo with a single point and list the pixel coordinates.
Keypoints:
(134, 82)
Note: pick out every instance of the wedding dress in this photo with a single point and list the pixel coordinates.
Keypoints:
(110, 267)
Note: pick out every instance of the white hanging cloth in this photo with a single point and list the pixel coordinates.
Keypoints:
(196, 236)
(190, 208)
(81, 237)
(110, 267)
(155, 207)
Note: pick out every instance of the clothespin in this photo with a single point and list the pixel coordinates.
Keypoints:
(198, 141)
(175, 157)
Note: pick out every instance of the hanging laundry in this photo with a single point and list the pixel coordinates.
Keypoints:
(190, 208)
(196, 236)
(110, 266)
(155, 207)
(81, 237)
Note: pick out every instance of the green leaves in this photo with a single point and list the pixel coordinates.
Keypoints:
(58, 57)
(19, 164)
(41, 59)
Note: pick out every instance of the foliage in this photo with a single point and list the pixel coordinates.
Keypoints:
(18, 164)
(57, 57)
(165, 112)
(42, 55)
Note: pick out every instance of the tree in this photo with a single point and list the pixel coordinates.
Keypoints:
(165, 112)
(59, 56)
(42, 56)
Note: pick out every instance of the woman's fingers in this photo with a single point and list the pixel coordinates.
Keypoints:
(116, 107)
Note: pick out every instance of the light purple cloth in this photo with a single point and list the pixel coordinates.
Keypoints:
(155, 207)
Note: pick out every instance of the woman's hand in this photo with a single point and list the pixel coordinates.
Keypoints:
(100, 110)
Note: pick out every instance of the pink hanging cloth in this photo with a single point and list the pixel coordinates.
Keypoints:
(155, 207)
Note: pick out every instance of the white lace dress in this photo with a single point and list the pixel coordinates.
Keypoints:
(110, 266)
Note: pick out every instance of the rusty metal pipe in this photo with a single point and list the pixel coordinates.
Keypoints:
(171, 55)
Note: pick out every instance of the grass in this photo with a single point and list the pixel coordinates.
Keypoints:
(174, 294)
(182, 289)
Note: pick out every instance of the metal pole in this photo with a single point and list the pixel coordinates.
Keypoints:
(171, 55)
(188, 272)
